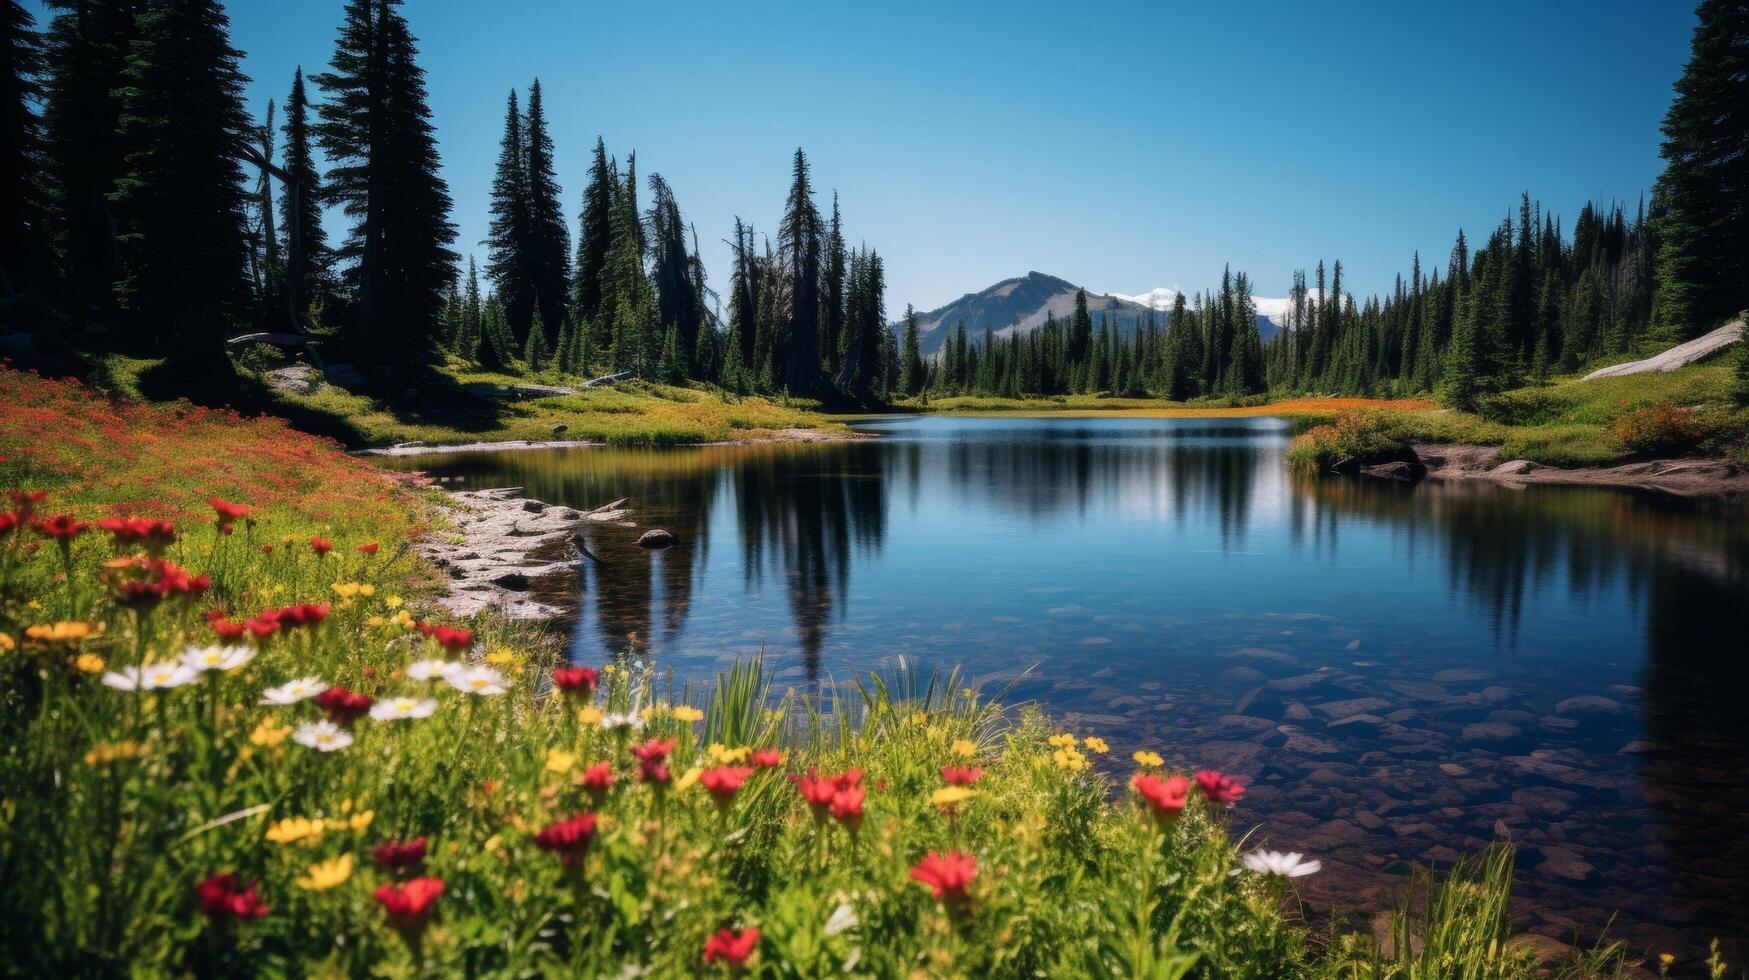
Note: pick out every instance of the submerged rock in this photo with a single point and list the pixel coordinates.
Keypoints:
(656, 538)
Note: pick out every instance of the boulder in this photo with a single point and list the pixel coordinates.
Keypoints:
(656, 538)
(1403, 471)
(1259, 702)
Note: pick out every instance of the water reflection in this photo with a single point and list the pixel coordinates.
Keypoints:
(1446, 663)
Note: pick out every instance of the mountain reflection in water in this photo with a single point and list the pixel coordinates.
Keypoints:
(1423, 669)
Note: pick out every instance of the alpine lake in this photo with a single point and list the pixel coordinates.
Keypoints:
(1400, 674)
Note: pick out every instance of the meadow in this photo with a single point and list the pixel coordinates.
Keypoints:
(235, 744)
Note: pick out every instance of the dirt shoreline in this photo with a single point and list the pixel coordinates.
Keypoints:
(767, 437)
(1680, 477)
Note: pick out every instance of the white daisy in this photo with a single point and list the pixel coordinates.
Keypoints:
(291, 692)
(476, 680)
(424, 670)
(323, 736)
(1287, 865)
(217, 658)
(151, 677)
(392, 709)
(629, 720)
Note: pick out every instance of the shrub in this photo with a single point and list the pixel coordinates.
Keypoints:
(1353, 438)
(1660, 429)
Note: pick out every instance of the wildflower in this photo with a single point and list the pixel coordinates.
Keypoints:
(560, 761)
(1062, 741)
(105, 753)
(1095, 744)
(1147, 759)
(687, 713)
(964, 748)
(226, 629)
(949, 797)
(424, 670)
(1287, 865)
(847, 807)
(291, 692)
(843, 918)
(155, 535)
(1069, 759)
(323, 736)
(818, 790)
(598, 777)
(476, 680)
(62, 528)
(217, 658)
(89, 663)
(352, 590)
(1220, 790)
(300, 614)
(397, 853)
(221, 898)
(1166, 797)
(575, 681)
(368, 550)
(7, 643)
(66, 631)
(394, 709)
(947, 875)
(324, 875)
(960, 777)
(320, 545)
(627, 720)
(652, 760)
(730, 947)
(723, 755)
(724, 781)
(227, 513)
(448, 637)
(295, 830)
(344, 707)
(357, 823)
(590, 715)
(267, 734)
(568, 838)
(408, 905)
(765, 758)
(152, 677)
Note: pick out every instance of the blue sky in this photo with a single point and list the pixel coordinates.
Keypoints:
(1120, 145)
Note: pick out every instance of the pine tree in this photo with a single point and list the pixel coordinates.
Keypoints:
(564, 347)
(910, 359)
(669, 366)
(497, 346)
(1701, 200)
(24, 236)
(548, 246)
(182, 191)
(679, 293)
(799, 239)
(836, 271)
(507, 258)
(629, 305)
(300, 215)
(535, 349)
(377, 127)
(594, 236)
(473, 330)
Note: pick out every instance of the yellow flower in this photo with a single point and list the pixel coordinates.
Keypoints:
(687, 713)
(965, 748)
(560, 761)
(104, 753)
(328, 874)
(393, 602)
(267, 735)
(346, 590)
(687, 779)
(919, 718)
(500, 658)
(1095, 744)
(89, 663)
(589, 715)
(66, 631)
(295, 830)
(1146, 759)
(1063, 741)
(7, 643)
(723, 755)
(359, 822)
(1069, 759)
(375, 622)
(366, 589)
(950, 796)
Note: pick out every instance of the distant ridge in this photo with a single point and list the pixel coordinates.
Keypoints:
(1020, 305)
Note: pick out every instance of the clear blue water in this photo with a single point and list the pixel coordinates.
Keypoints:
(1391, 668)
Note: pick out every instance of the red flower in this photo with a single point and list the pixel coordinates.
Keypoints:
(960, 777)
(263, 626)
(8, 521)
(847, 806)
(399, 853)
(1166, 796)
(302, 614)
(62, 527)
(568, 838)
(155, 535)
(408, 904)
(766, 758)
(368, 549)
(724, 781)
(227, 513)
(575, 680)
(652, 756)
(452, 639)
(344, 707)
(221, 898)
(1220, 790)
(226, 629)
(819, 791)
(26, 501)
(267, 549)
(597, 778)
(320, 545)
(947, 875)
(728, 947)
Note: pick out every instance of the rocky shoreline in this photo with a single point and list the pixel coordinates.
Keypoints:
(765, 437)
(1681, 477)
(508, 553)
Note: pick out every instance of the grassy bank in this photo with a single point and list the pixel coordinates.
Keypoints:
(173, 799)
